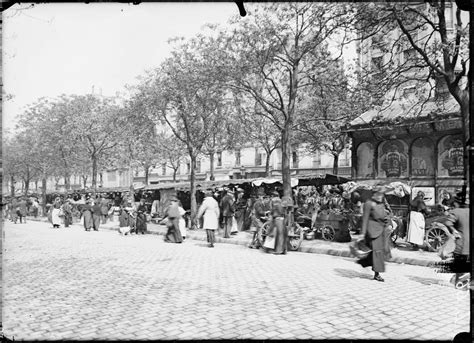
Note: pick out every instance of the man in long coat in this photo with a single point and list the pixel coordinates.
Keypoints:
(227, 210)
(96, 214)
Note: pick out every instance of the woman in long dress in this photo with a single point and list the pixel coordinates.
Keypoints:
(141, 217)
(55, 212)
(87, 215)
(416, 228)
(376, 230)
(209, 210)
(278, 231)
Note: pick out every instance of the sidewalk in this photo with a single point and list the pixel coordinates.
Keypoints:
(400, 254)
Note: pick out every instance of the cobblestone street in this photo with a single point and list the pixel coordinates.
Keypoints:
(72, 284)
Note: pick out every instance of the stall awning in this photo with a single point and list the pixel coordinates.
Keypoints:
(450, 182)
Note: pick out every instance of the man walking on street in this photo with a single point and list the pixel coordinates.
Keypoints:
(227, 209)
(96, 214)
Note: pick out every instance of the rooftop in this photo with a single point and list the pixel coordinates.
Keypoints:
(405, 111)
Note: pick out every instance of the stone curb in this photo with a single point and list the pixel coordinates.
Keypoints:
(310, 249)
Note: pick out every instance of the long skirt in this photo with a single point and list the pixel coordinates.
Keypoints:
(211, 236)
(67, 219)
(87, 220)
(380, 252)
(141, 223)
(227, 225)
(123, 219)
(96, 221)
(55, 216)
(173, 235)
(280, 233)
(416, 228)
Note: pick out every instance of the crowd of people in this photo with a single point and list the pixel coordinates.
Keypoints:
(234, 209)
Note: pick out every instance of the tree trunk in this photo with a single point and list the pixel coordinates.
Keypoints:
(67, 181)
(43, 195)
(12, 186)
(147, 174)
(211, 161)
(36, 185)
(174, 174)
(335, 164)
(285, 162)
(94, 174)
(84, 179)
(267, 164)
(193, 192)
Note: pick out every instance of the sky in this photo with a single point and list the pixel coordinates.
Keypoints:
(69, 48)
(51, 49)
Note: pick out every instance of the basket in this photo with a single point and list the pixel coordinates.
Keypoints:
(309, 236)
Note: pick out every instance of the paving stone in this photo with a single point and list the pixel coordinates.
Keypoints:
(172, 291)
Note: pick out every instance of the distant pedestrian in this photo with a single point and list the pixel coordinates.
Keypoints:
(13, 210)
(416, 227)
(96, 215)
(56, 214)
(141, 217)
(277, 239)
(376, 230)
(173, 235)
(67, 212)
(22, 210)
(87, 215)
(240, 205)
(227, 210)
(258, 219)
(182, 220)
(209, 210)
(104, 208)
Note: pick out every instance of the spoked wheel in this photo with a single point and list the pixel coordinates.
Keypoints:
(294, 241)
(436, 236)
(328, 233)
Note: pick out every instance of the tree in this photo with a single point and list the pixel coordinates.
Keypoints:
(181, 94)
(275, 53)
(257, 129)
(172, 151)
(97, 125)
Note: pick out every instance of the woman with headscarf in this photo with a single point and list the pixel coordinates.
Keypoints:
(209, 210)
(376, 230)
(87, 214)
(416, 227)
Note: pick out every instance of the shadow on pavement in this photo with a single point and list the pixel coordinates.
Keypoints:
(352, 274)
(428, 281)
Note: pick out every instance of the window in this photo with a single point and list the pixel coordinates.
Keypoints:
(294, 156)
(178, 168)
(163, 169)
(198, 166)
(188, 167)
(219, 159)
(258, 159)
(237, 157)
(344, 158)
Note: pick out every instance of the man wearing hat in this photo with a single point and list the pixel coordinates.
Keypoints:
(240, 205)
(227, 210)
(209, 210)
(258, 215)
(67, 211)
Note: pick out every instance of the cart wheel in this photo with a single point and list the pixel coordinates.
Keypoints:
(265, 228)
(436, 236)
(328, 233)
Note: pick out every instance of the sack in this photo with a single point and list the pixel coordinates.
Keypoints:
(234, 225)
(269, 242)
